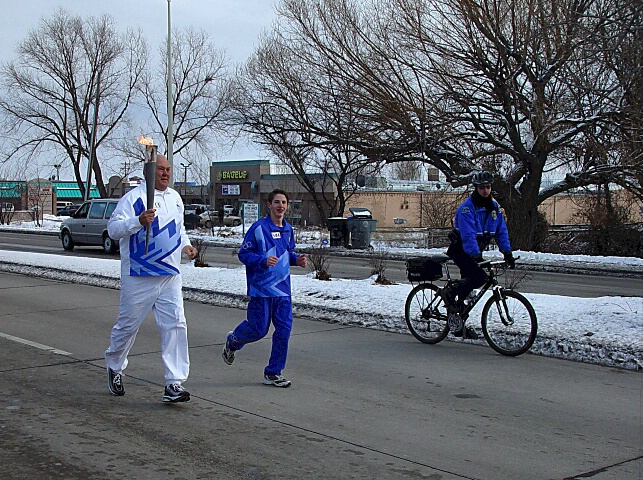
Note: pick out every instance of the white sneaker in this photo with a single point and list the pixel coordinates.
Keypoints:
(276, 380)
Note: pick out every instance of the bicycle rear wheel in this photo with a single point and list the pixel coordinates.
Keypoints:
(426, 314)
(509, 325)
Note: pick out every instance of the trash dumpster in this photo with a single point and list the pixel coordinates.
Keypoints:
(360, 226)
(338, 229)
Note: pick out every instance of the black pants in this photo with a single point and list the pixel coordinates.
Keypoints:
(472, 275)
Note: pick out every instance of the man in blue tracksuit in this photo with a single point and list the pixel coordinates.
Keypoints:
(477, 221)
(268, 251)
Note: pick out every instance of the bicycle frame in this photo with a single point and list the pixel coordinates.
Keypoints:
(509, 323)
(490, 283)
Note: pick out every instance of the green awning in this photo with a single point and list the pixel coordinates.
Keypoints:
(11, 189)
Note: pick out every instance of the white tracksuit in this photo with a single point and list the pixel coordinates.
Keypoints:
(150, 281)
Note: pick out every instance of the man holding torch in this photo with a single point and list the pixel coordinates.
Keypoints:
(151, 279)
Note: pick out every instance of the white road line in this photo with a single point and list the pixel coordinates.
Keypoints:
(34, 344)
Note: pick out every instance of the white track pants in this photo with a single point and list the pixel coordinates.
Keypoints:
(163, 296)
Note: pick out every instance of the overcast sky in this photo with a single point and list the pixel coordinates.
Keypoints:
(233, 25)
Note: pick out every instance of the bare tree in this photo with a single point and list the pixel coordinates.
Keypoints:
(437, 209)
(202, 248)
(609, 216)
(378, 260)
(409, 170)
(49, 92)
(319, 261)
(520, 88)
(523, 93)
(623, 48)
(201, 95)
(291, 101)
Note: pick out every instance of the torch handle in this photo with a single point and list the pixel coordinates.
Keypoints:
(150, 177)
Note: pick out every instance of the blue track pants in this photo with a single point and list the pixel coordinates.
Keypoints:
(261, 312)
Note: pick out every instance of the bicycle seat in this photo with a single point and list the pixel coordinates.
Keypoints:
(439, 258)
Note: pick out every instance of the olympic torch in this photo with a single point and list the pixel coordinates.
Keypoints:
(149, 172)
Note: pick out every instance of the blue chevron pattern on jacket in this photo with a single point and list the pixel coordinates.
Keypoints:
(163, 242)
(264, 239)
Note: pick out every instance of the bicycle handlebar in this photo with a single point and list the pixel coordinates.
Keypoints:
(494, 263)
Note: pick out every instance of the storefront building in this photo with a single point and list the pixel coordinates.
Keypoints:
(249, 181)
(236, 182)
(41, 194)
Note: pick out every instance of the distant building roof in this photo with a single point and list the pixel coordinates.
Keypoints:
(71, 190)
(63, 189)
(239, 163)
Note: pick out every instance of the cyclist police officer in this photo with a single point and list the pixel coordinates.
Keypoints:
(477, 221)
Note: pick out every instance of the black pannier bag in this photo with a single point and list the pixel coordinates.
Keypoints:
(422, 269)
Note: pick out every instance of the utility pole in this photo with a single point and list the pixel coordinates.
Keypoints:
(92, 144)
(170, 107)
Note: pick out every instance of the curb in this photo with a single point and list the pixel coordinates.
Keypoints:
(571, 267)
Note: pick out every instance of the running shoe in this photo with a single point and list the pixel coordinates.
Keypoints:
(276, 380)
(115, 383)
(176, 393)
(228, 353)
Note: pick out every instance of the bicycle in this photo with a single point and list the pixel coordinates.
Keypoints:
(508, 319)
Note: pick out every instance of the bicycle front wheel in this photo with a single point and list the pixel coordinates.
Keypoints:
(509, 324)
(426, 314)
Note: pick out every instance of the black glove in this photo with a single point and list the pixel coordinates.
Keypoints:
(511, 261)
(477, 258)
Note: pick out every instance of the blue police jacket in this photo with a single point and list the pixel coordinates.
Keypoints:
(477, 227)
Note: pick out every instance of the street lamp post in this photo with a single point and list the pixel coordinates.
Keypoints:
(185, 180)
(57, 167)
(170, 109)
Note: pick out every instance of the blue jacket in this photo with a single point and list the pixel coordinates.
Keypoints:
(477, 227)
(265, 239)
(167, 233)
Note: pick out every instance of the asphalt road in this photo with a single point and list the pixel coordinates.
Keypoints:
(364, 403)
(572, 285)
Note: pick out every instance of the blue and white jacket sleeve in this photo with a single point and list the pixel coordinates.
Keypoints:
(123, 221)
(251, 253)
(291, 249)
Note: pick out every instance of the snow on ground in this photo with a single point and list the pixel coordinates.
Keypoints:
(606, 330)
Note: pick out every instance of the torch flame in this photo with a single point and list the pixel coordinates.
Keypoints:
(143, 140)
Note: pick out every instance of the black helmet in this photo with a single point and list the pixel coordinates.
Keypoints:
(480, 178)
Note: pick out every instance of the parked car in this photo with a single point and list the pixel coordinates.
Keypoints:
(88, 226)
(68, 211)
(211, 219)
(197, 208)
